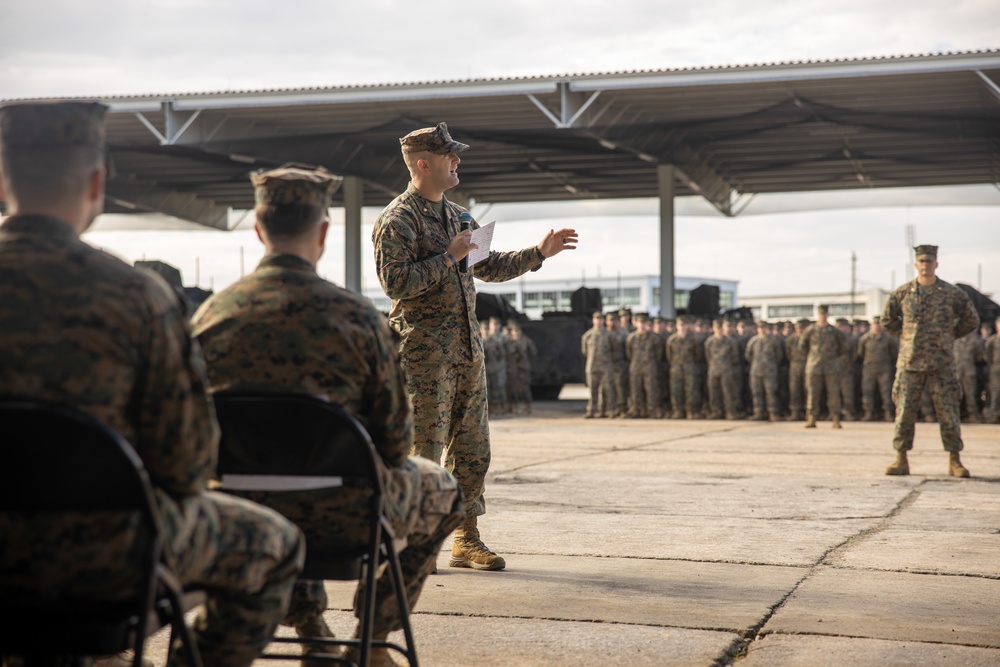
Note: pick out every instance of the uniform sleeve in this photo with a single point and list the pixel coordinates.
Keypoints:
(892, 316)
(804, 340)
(389, 416)
(966, 317)
(501, 266)
(400, 272)
(177, 433)
(583, 343)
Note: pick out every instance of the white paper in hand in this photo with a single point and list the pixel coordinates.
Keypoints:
(482, 237)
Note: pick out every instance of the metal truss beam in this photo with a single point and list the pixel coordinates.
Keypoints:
(572, 106)
(130, 192)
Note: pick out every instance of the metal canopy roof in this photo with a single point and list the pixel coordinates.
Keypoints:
(731, 132)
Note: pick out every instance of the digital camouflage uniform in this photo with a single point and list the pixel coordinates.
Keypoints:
(969, 351)
(283, 329)
(725, 396)
(796, 377)
(434, 313)
(645, 352)
(877, 353)
(82, 329)
(764, 354)
(992, 354)
(927, 321)
(596, 348)
(684, 353)
(848, 391)
(520, 353)
(623, 384)
(495, 360)
(823, 346)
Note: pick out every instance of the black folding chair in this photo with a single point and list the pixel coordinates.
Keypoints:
(57, 461)
(288, 443)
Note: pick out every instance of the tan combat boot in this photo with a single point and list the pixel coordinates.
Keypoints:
(316, 627)
(901, 466)
(469, 551)
(836, 422)
(810, 422)
(955, 467)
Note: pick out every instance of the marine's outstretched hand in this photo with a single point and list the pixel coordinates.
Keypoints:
(555, 242)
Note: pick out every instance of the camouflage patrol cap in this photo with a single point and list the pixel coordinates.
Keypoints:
(294, 184)
(823, 309)
(925, 252)
(52, 125)
(431, 139)
(876, 319)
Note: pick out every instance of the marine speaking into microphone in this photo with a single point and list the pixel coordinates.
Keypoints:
(464, 223)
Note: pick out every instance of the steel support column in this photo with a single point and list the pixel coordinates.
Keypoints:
(353, 201)
(666, 185)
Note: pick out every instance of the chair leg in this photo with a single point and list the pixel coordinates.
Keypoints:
(396, 573)
(180, 630)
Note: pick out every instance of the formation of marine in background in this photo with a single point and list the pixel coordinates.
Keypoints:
(509, 354)
(695, 368)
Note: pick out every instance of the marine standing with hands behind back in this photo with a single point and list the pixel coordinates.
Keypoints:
(418, 245)
(927, 314)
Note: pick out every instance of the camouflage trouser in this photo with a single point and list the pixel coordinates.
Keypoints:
(622, 389)
(797, 390)
(645, 392)
(663, 380)
(815, 383)
(993, 409)
(944, 391)
(496, 390)
(848, 392)
(764, 389)
(519, 387)
(422, 504)
(685, 392)
(602, 392)
(450, 423)
(873, 380)
(724, 394)
(246, 557)
(970, 394)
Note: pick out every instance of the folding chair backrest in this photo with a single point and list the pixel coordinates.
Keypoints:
(55, 458)
(57, 461)
(292, 435)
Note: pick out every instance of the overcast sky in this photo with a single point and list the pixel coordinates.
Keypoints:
(54, 48)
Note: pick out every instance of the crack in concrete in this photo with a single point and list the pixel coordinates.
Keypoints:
(613, 449)
(753, 633)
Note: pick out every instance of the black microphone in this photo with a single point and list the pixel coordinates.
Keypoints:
(465, 223)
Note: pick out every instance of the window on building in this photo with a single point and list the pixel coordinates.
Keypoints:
(790, 311)
(847, 310)
(565, 301)
(510, 298)
(682, 298)
(755, 310)
(382, 303)
(532, 300)
(631, 296)
(726, 300)
(549, 300)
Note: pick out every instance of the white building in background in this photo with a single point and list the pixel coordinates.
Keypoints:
(533, 295)
(860, 305)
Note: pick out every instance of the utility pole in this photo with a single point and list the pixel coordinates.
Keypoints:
(854, 278)
(910, 237)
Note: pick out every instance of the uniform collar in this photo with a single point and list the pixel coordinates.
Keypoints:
(40, 225)
(286, 261)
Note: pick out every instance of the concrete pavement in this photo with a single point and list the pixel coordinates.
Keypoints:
(659, 542)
